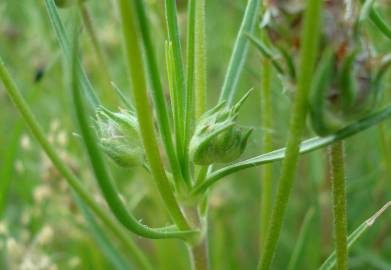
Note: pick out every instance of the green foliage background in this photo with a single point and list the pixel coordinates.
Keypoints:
(28, 46)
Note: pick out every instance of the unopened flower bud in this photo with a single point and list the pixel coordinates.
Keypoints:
(119, 138)
(347, 86)
(218, 138)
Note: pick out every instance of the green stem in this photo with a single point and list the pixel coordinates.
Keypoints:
(239, 52)
(180, 86)
(190, 65)
(157, 91)
(200, 83)
(90, 29)
(267, 146)
(337, 164)
(144, 112)
(71, 179)
(199, 250)
(309, 50)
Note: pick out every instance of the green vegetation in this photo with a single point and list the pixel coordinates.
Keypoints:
(120, 120)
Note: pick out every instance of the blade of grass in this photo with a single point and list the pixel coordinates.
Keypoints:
(144, 114)
(180, 84)
(379, 22)
(6, 167)
(99, 52)
(117, 260)
(330, 262)
(65, 45)
(239, 52)
(297, 250)
(306, 146)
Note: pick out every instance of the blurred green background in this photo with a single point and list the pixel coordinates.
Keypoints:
(42, 227)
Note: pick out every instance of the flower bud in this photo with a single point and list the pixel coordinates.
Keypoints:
(217, 137)
(347, 86)
(119, 138)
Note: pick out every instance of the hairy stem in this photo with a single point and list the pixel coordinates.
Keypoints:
(309, 42)
(144, 113)
(267, 146)
(337, 164)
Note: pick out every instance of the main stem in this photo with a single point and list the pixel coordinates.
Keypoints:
(309, 41)
(199, 258)
(337, 164)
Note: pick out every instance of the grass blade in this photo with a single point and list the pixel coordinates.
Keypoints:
(239, 52)
(330, 262)
(103, 241)
(300, 240)
(65, 45)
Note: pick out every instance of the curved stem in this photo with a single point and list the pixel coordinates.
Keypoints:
(309, 42)
(144, 113)
(337, 164)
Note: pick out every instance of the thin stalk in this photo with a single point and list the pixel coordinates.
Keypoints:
(91, 31)
(190, 42)
(309, 41)
(337, 164)
(267, 145)
(200, 83)
(157, 91)
(199, 251)
(6, 167)
(297, 250)
(144, 112)
(239, 52)
(69, 177)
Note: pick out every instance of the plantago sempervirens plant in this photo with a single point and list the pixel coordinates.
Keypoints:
(178, 144)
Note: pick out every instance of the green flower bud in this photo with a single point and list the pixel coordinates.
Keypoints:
(217, 137)
(119, 138)
(346, 87)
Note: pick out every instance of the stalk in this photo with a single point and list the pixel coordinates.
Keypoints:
(267, 146)
(181, 111)
(199, 257)
(309, 41)
(144, 113)
(199, 251)
(200, 83)
(157, 92)
(91, 32)
(337, 164)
